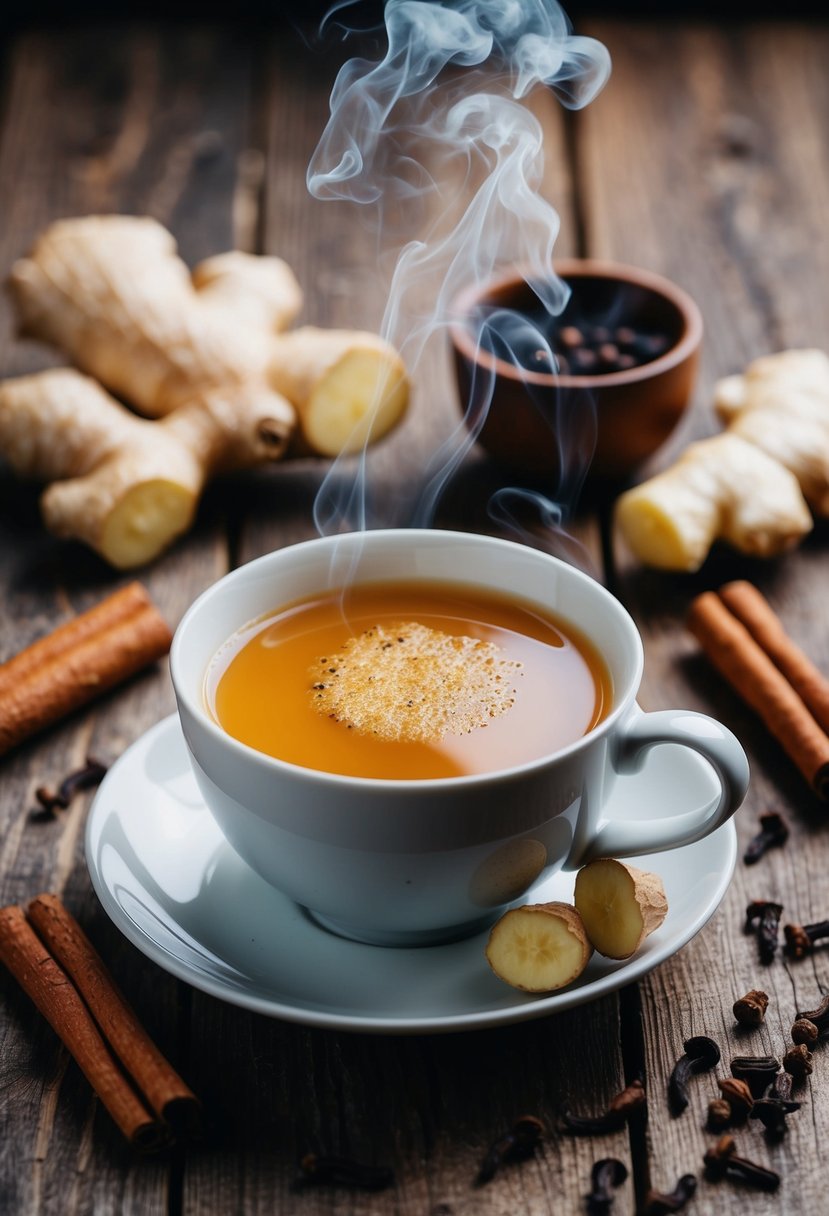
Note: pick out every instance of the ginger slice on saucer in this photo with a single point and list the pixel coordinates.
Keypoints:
(620, 905)
(539, 947)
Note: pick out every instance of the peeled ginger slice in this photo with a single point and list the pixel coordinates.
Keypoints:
(539, 947)
(361, 398)
(619, 906)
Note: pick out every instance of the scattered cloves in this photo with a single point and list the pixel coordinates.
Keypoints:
(763, 917)
(800, 939)
(819, 1016)
(701, 1055)
(52, 801)
(605, 1176)
(774, 831)
(739, 1098)
(518, 1144)
(758, 1072)
(342, 1171)
(750, 1009)
(659, 1204)
(722, 1162)
(804, 1031)
(797, 1062)
(626, 1103)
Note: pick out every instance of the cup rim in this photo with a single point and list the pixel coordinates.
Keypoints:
(687, 343)
(197, 709)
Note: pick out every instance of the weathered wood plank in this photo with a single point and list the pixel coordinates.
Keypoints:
(103, 120)
(704, 160)
(428, 1106)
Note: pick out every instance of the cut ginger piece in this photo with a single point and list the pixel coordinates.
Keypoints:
(619, 905)
(348, 388)
(539, 947)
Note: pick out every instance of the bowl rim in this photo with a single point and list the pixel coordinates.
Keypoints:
(569, 268)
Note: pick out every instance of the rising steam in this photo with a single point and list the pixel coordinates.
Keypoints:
(437, 128)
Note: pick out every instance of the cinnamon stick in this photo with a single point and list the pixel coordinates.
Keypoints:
(52, 991)
(166, 1093)
(122, 603)
(739, 658)
(78, 661)
(753, 610)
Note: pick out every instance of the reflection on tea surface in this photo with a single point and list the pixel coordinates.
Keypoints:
(408, 681)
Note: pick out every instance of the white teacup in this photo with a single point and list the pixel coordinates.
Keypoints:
(414, 862)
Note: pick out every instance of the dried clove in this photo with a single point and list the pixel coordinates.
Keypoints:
(797, 1062)
(782, 1087)
(722, 1162)
(804, 1031)
(626, 1103)
(774, 832)
(518, 1144)
(772, 1110)
(739, 1098)
(751, 1008)
(719, 1115)
(605, 1176)
(758, 1072)
(819, 1016)
(52, 801)
(658, 1204)
(763, 917)
(800, 939)
(701, 1055)
(343, 1171)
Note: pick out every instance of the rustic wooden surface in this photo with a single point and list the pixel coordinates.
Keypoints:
(705, 159)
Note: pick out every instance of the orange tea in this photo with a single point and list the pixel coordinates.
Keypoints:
(408, 681)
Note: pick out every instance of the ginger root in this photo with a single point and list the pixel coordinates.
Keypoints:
(619, 905)
(124, 485)
(206, 354)
(720, 488)
(539, 947)
(752, 485)
(112, 294)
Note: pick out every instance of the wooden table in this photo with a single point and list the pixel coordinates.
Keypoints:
(705, 159)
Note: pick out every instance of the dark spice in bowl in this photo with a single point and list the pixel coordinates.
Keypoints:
(580, 341)
(617, 363)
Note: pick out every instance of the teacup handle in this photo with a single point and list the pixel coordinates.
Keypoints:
(713, 741)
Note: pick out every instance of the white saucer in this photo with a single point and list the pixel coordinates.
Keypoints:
(171, 883)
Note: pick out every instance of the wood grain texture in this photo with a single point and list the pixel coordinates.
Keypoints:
(125, 120)
(703, 161)
(427, 1106)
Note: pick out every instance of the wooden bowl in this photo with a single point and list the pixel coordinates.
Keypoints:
(541, 421)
